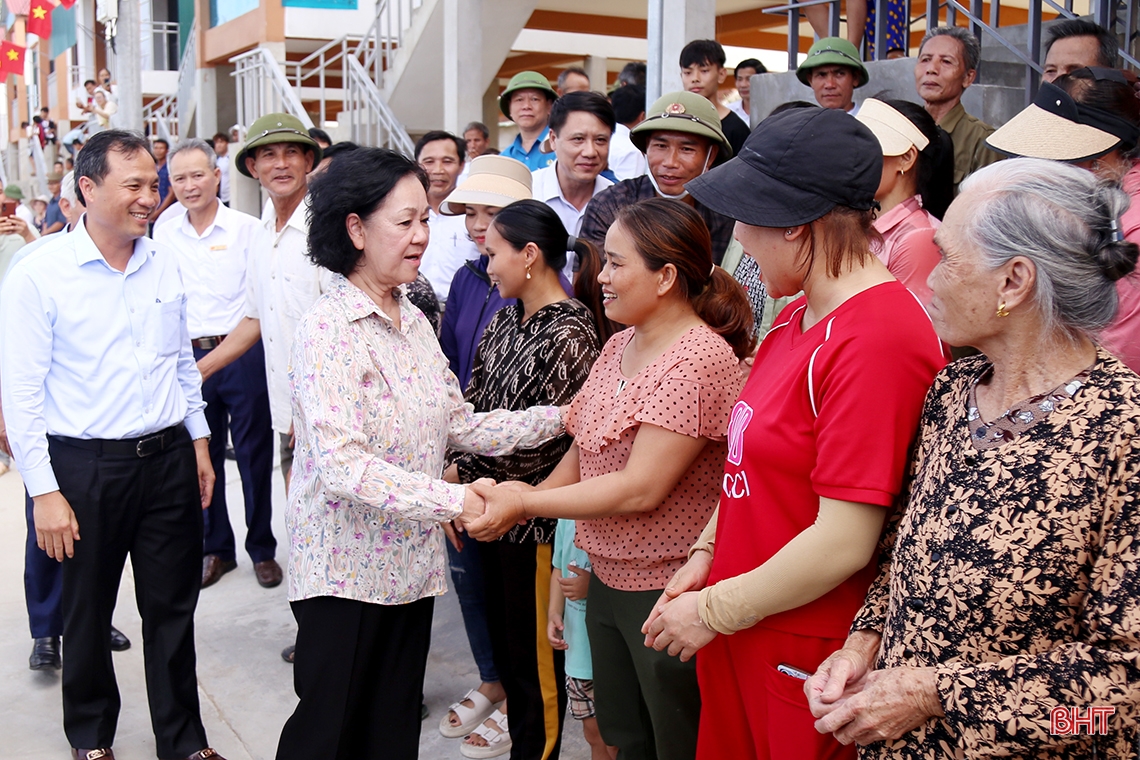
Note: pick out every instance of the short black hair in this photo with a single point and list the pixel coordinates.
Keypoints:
(45, 109)
(590, 102)
(566, 72)
(751, 63)
(628, 103)
(160, 140)
(344, 146)
(356, 182)
(91, 82)
(220, 136)
(632, 73)
(438, 134)
(1107, 44)
(92, 160)
(700, 52)
(319, 134)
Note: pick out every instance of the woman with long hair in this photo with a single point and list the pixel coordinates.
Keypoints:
(817, 442)
(916, 187)
(643, 473)
(537, 350)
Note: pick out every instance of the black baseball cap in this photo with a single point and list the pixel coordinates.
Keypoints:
(794, 168)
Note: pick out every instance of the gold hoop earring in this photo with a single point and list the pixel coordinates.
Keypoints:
(1001, 312)
(528, 271)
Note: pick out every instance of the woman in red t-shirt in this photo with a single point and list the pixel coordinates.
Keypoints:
(817, 443)
(643, 474)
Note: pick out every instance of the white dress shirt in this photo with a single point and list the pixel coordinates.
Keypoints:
(737, 107)
(224, 187)
(92, 352)
(545, 188)
(626, 161)
(213, 268)
(281, 285)
(448, 247)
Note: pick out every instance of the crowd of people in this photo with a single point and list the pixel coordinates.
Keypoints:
(810, 435)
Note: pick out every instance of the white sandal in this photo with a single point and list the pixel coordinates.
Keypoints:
(469, 717)
(497, 736)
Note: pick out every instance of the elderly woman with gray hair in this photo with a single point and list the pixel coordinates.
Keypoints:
(1008, 598)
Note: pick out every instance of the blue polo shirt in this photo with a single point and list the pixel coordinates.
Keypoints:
(534, 158)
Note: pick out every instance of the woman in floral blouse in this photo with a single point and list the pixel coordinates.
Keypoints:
(1008, 592)
(375, 409)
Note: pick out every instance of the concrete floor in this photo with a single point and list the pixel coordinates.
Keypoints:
(246, 690)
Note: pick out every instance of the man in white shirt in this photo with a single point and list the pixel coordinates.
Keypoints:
(281, 282)
(102, 402)
(626, 160)
(745, 70)
(441, 155)
(581, 126)
(222, 153)
(213, 243)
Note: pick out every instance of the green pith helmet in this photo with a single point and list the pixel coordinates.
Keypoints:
(525, 80)
(683, 112)
(832, 51)
(275, 128)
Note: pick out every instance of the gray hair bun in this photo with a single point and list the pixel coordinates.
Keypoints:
(1116, 256)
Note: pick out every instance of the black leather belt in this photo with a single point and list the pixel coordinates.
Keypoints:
(147, 445)
(208, 343)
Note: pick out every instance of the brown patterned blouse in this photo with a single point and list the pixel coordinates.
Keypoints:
(1015, 571)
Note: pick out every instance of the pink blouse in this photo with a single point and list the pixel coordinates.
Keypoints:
(689, 389)
(1122, 337)
(908, 247)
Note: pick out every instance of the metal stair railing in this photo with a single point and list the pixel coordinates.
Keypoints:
(262, 88)
(318, 65)
(377, 49)
(159, 115)
(371, 121)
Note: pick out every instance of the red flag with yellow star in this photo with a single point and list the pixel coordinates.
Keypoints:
(11, 59)
(39, 18)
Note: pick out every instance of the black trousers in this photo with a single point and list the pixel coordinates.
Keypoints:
(237, 402)
(148, 508)
(532, 672)
(359, 674)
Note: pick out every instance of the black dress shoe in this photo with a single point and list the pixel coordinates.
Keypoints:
(119, 642)
(213, 568)
(45, 654)
(289, 653)
(93, 754)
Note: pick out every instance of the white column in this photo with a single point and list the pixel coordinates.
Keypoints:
(595, 67)
(462, 63)
(672, 25)
(129, 73)
(205, 106)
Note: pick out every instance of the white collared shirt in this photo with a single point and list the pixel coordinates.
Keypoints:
(448, 247)
(92, 352)
(626, 161)
(545, 188)
(737, 107)
(213, 268)
(281, 284)
(224, 164)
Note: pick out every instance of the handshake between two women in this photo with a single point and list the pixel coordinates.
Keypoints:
(489, 509)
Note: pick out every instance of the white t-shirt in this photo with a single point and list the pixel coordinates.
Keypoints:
(626, 161)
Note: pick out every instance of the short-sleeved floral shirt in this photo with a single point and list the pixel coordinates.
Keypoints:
(1014, 570)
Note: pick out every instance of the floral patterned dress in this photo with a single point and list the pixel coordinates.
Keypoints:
(1014, 569)
(375, 408)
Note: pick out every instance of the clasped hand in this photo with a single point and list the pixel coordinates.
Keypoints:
(489, 510)
(675, 623)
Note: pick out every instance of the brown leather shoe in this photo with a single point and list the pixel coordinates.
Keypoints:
(92, 754)
(268, 573)
(213, 568)
(205, 754)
